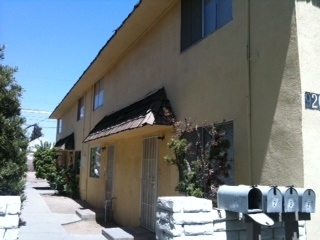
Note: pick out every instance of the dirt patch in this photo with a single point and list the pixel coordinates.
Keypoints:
(65, 205)
(61, 204)
(83, 227)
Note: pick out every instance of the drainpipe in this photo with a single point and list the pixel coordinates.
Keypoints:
(91, 93)
(85, 175)
(249, 107)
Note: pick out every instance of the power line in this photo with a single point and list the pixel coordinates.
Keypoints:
(35, 111)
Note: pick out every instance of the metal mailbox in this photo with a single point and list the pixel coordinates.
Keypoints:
(290, 199)
(307, 200)
(262, 205)
(242, 199)
(272, 200)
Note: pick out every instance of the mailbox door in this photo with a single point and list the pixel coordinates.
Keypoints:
(307, 201)
(290, 200)
(274, 200)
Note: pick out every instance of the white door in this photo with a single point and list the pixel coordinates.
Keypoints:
(149, 183)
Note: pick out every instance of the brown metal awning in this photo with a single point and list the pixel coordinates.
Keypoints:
(66, 143)
(148, 111)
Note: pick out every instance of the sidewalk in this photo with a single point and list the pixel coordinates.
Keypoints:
(39, 222)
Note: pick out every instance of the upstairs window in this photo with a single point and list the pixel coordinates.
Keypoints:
(200, 18)
(80, 113)
(59, 125)
(98, 95)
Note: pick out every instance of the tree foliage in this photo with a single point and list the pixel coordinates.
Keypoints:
(13, 142)
(202, 163)
(36, 132)
(59, 176)
(44, 162)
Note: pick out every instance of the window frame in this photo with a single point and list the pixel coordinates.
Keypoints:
(59, 127)
(80, 112)
(77, 162)
(95, 162)
(193, 19)
(98, 94)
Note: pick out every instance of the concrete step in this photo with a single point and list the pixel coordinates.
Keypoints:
(116, 234)
(86, 214)
(140, 233)
(128, 233)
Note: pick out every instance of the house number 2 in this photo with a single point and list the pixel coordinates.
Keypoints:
(312, 101)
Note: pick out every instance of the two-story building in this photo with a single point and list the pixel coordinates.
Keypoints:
(252, 64)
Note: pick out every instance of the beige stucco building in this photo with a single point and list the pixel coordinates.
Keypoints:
(251, 66)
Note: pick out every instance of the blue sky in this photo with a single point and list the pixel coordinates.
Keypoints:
(52, 42)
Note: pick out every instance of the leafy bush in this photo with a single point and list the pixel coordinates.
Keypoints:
(72, 184)
(61, 178)
(44, 162)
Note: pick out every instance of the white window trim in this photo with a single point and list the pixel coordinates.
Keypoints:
(59, 125)
(99, 94)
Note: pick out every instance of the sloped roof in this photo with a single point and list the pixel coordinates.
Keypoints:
(66, 143)
(148, 111)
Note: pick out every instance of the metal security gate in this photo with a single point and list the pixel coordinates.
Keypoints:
(149, 183)
(109, 182)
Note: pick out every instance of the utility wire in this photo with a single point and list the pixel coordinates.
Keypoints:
(35, 111)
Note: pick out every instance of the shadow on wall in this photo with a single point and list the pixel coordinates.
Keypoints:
(314, 2)
(275, 87)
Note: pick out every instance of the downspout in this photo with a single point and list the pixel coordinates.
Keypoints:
(89, 109)
(249, 106)
(85, 97)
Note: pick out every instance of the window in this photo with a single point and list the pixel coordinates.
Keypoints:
(200, 18)
(95, 157)
(98, 95)
(80, 113)
(59, 125)
(203, 137)
(77, 160)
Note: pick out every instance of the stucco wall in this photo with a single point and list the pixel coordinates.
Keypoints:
(127, 177)
(195, 88)
(208, 81)
(308, 18)
(68, 122)
(214, 80)
(275, 94)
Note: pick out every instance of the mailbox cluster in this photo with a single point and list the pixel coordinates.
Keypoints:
(250, 199)
(264, 204)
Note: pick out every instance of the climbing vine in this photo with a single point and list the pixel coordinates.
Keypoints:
(201, 156)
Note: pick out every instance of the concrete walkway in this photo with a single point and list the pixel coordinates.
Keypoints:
(38, 222)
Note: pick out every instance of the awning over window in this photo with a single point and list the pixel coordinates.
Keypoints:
(66, 143)
(148, 111)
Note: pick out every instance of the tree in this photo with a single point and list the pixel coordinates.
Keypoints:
(36, 132)
(13, 142)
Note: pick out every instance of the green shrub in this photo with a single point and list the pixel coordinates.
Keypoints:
(44, 162)
(60, 178)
